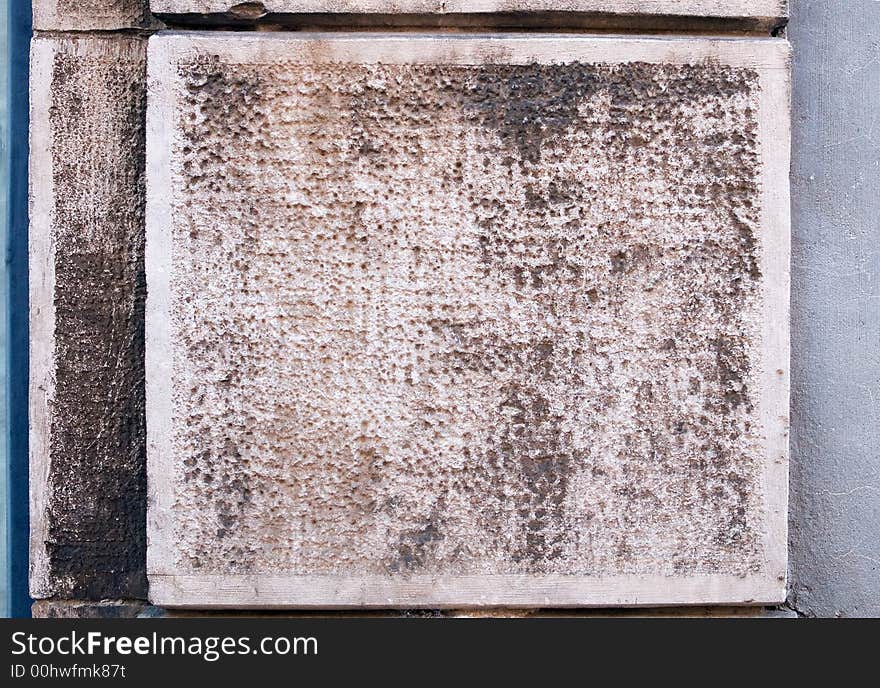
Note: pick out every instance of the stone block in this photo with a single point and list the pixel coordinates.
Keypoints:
(87, 290)
(77, 609)
(76, 15)
(466, 321)
(765, 13)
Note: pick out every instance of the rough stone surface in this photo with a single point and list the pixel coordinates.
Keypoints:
(835, 508)
(457, 319)
(87, 299)
(84, 15)
(77, 609)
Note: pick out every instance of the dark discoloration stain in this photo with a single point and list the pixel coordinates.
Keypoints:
(531, 107)
(414, 549)
(534, 448)
(97, 498)
(528, 105)
(733, 369)
(222, 483)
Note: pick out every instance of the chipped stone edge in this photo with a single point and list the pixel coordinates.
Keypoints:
(774, 133)
(764, 9)
(449, 592)
(41, 260)
(770, 57)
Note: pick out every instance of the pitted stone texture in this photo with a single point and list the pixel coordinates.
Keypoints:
(456, 320)
(88, 454)
(443, 315)
(85, 15)
(756, 9)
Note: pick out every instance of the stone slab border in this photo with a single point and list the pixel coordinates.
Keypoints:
(686, 8)
(769, 57)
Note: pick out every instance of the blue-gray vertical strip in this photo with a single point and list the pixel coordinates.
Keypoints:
(4, 213)
(835, 310)
(19, 27)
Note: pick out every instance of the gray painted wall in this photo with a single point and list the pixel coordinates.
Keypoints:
(835, 439)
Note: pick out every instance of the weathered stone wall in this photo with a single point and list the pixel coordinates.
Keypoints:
(555, 361)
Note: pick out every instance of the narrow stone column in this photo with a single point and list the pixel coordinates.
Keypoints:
(87, 298)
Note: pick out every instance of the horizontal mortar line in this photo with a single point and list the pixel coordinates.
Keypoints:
(477, 30)
(531, 22)
(97, 33)
(181, 24)
(100, 602)
(697, 611)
